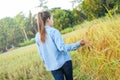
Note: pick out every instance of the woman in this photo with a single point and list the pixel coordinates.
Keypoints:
(52, 49)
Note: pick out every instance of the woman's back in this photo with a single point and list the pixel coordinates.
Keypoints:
(52, 55)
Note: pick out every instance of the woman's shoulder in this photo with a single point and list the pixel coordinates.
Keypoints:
(52, 29)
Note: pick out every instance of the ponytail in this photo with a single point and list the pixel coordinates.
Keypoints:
(42, 17)
(41, 28)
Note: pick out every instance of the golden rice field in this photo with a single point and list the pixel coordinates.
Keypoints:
(99, 59)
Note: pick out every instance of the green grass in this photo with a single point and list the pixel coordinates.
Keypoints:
(25, 43)
(99, 59)
(21, 64)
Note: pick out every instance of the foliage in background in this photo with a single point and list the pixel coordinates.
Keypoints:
(66, 18)
(98, 8)
(16, 30)
(25, 43)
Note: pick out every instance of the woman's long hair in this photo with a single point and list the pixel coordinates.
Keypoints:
(42, 18)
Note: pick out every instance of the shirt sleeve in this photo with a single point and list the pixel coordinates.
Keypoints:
(59, 42)
(72, 47)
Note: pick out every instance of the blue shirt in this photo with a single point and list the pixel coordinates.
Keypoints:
(54, 52)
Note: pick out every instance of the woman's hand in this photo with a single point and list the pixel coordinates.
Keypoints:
(82, 42)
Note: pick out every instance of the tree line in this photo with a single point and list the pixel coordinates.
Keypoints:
(21, 28)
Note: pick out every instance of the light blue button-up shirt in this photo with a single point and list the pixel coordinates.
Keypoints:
(54, 52)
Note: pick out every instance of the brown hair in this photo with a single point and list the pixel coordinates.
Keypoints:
(42, 17)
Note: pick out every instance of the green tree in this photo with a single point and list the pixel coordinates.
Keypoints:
(111, 6)
(93, 8)
(67, 18)
(97, 8)
(21, 22)
(62, 18)
(31, 26)
(7, 28)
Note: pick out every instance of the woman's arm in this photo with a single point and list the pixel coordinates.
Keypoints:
(73, 46)
(59, 42)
